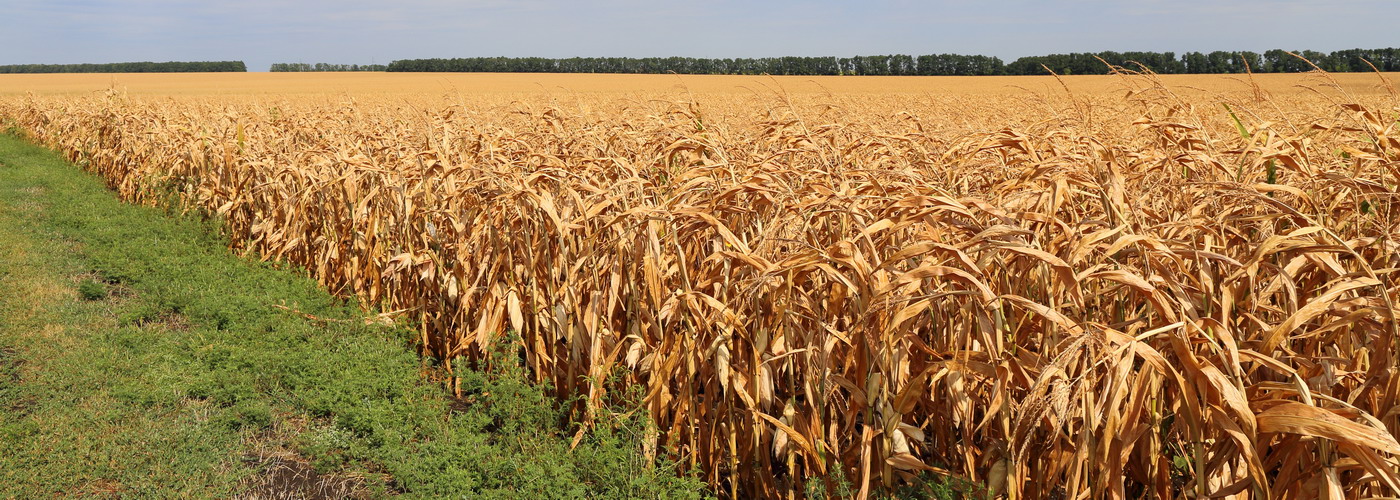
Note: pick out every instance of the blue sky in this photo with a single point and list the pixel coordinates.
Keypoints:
(261, 32)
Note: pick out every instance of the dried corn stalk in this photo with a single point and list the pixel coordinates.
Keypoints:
(1050, 297)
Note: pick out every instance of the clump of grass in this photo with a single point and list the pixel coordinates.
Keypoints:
(91, 289)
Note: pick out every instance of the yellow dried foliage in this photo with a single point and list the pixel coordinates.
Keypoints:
(1147, 291)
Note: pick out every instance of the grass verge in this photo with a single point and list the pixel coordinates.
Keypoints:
(138, 357)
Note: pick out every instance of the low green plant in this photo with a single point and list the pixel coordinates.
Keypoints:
(930, 486)
(92, 290)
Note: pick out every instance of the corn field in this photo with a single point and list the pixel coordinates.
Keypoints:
(1147, 293)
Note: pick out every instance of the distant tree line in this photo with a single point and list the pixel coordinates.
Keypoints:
(131, 67)
(1273, 61)
(295, 67)
(941, 64)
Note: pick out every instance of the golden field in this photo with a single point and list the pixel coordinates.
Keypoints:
(1118, 286)
(474, 84)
